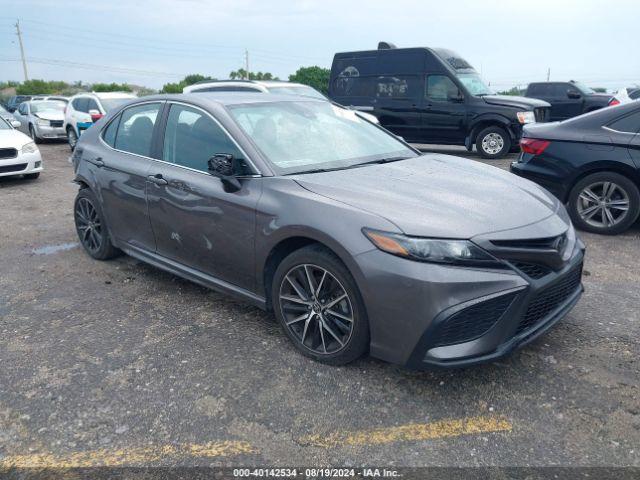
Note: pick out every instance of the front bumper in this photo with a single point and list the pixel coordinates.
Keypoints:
(23, 163)
(412, 307)
(48, 132)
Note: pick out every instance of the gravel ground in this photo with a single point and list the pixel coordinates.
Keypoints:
(119, 363)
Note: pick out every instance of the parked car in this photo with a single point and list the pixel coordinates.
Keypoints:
(15, 101)
(51, 97)
(350, 236)
(262, 86)
(567, 99)
(19, 155)
(431, 95)
(42, 119)
(8, 116)
(625, 95)
(84, 109)
(591, 163)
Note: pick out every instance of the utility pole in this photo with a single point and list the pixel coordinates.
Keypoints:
(24, 61)
(246, 62)
(548, 73)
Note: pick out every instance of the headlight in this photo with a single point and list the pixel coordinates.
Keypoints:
(42, 122)
(29, 148)
(461, 252)
(526, 117)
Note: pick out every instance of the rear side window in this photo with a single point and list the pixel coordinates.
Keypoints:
(441, 88)
(80, 104)
(109, 133)
(192, 138)
(627, 124)
(135, 130)
(92, 105)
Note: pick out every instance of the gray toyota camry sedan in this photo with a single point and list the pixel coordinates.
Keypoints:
(353, 239)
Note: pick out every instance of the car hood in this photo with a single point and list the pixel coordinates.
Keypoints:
(50, 115)
(13, 139)
(437, 195)
(514, 101)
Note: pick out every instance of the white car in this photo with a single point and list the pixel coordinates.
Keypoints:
(625, 95)
(263, 86)
(42, 119)
(84, 109)
(19, 154)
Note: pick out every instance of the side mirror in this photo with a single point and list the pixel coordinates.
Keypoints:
(15, 124)
(95, 115)
(573, 94)
(223, 166)
(457, 97)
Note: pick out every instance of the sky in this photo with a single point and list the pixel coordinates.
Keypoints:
(152, 42)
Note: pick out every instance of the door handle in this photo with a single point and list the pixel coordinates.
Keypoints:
(157, 179)
(98, 162)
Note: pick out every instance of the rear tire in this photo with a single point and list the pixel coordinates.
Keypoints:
(493, 142)
(604, 202)
(91, 227)
(72, 138)
(322, 311)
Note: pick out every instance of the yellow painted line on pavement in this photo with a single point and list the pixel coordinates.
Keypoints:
(126, 456)
(412, 432)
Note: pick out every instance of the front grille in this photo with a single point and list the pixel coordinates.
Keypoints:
(533, 243)
(56, 123)
(550, 299)
(13, 168)
(532, 270)
(541, 114)
(472, 322)
(8, 153)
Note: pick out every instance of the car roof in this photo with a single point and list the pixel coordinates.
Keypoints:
(229, 98)
(106, 95)
(265, 83)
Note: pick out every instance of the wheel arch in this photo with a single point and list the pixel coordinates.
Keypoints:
(292, 242)
(487, 121)
(604, 166)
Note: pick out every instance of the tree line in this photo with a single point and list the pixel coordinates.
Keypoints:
(316, 77)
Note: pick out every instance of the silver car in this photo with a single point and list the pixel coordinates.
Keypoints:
(42, 119)
(353, 239)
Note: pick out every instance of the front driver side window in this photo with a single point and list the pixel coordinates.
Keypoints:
(192, 138)
(441, 89)
(135, 130)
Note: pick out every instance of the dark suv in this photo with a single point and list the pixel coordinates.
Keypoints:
(15, 101)
(567, 99)
(431, 95)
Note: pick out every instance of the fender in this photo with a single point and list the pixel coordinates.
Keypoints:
(493, 118)
(266, 244)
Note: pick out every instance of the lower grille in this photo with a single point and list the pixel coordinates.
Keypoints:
(532, 270)
(549, 299)
(13, 168)
(56, 123)
(8, 153)
(472, 322)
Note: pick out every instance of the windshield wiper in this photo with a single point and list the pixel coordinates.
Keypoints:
(381, 160)
(322, 170)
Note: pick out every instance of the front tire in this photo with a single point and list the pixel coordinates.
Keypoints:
(72, 138)
(91, 226)
(493, 142)
(32, 134)
(319, 306)
(604, 202)
(32, 176)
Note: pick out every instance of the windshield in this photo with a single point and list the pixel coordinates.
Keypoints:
(110, 103)
(48, 106)
(583, 88)
(299, 90)
(297, 137)
(474, 84)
